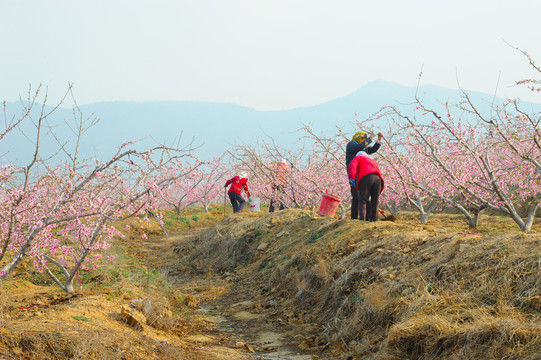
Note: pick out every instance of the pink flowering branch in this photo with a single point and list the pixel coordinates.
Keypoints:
(63, 214)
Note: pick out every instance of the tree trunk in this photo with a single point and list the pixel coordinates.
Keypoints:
(473, 221)
(531, 215)
(8, 268)
(68, 287)
(343, 211)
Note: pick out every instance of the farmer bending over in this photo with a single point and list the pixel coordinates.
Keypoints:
(364, 174)
(237, 184)
(359, 142)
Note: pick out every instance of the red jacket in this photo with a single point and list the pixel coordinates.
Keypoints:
(361, 166)
(280, 176)
(237, 184)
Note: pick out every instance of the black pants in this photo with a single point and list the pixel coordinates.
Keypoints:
(275, 189)
(237, 201)
(355, 203)
(369, 190)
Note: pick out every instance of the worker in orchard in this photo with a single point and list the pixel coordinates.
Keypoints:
(238, 183)
(359, 142)
(278, 186)
(365, 175)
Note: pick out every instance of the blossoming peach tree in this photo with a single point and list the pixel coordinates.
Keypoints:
(61, 213)
(310, 173)
(196, 183)
(453, 157)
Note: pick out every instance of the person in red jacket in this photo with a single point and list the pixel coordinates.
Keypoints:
(237, 184)
(364, 174)
(359, 142)
(278, 186)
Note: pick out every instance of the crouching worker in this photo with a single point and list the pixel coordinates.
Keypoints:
(364, 174)
(237, 184)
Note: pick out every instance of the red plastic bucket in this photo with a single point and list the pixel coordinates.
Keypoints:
(328, 205)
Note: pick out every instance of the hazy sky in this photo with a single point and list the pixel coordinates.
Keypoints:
(264, 54)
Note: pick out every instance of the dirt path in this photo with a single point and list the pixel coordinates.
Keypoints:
(241, 321)
(235, 318)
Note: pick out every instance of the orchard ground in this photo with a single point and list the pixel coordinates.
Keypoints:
(290, 285)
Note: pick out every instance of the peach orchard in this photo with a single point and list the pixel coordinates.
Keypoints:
(60, 212)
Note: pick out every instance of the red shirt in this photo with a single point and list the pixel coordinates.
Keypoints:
(361, 166)
(237, 184)
(281, 170)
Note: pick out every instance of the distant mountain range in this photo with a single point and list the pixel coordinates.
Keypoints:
(216, 126)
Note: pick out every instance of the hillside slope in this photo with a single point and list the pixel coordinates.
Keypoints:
(386, 290)
(289, 285)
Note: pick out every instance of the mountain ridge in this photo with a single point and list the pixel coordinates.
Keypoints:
(218, 125)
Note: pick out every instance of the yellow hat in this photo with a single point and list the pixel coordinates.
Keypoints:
(359, 136)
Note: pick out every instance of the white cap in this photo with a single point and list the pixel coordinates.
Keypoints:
(283, 161)
(362, 153)
(243, 174)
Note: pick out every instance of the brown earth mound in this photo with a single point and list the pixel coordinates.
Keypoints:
(386, 290)
(124, 310)
(334, 289)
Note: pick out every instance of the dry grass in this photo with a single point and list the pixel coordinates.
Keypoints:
(45, 324)
(386, 290)
(391, 290)
(38, 321)
(60, 345)
(484, 337)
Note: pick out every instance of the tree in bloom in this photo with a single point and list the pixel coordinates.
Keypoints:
(196, 183)
(61, 214)
(480, 162)
(311, 173)
(214, 174)
(183, 192)
(333, 146)
(406, 180)
(533, 84)
(315, 169)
